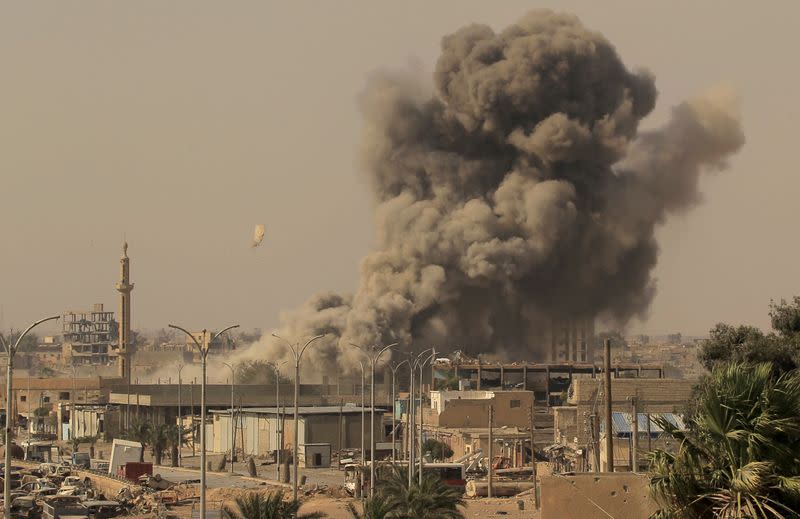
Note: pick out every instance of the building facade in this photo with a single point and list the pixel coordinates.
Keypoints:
(87, 336)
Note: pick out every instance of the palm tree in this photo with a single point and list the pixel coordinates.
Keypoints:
(160, 436)
(430, 500)
(740, 457)
(139, 431)
(272, 506)
(174, 442)
(374, 508)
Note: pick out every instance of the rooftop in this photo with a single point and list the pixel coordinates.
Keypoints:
(302, 410)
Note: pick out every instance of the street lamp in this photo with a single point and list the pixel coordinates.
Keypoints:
(394, 367)
(422, 410)
(203, 350)
(411, 418)
(373, 354)
(298, 354)
(180, 416)
(11, 350)
(233, 423)
(359, 481)
(278, 446)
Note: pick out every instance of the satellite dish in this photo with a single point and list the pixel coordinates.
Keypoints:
(258, 235)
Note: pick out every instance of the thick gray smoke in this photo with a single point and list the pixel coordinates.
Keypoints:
(519, 193)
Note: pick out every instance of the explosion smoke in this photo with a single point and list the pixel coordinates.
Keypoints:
(521, 192)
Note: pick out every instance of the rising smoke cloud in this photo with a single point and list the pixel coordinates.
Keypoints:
(519, 193)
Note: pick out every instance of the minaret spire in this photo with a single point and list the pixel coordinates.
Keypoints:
(124, 287)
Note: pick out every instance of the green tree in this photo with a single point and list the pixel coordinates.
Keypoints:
(373, 508)
(430, 500)
(160, 436)
(749, 344)
(438, 450)
(139, 431)
(272, 506)
(785, 317)
(739, 456)
(28, 343)
(256, 372)
(176, 441)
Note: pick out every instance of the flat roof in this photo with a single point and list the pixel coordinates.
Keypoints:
(302, 410)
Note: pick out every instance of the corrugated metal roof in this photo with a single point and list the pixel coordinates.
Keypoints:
(622, 423)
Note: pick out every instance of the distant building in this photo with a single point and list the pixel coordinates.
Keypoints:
(88, 336)
(572, 340)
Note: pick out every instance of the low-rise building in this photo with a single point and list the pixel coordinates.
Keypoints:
(265, 429)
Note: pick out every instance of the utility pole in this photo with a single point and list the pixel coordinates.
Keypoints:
(191, 397)
(595, 429)
(180, 416)
(533, 458)
(11, 350)
(635, 436)
(298, 355)
(341, 447)
(373, 354)
(609, 422)
(233, 415)
(489, 490)
(203, 350)
(394, 399)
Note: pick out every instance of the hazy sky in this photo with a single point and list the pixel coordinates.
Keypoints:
(180, 125)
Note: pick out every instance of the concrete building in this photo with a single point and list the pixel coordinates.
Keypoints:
(88, 420)
(549, 382)
(265, 429)
(571, 340)
(574, 423)
(510, 408)
(159, 402)
(87, 336)
(650, 436)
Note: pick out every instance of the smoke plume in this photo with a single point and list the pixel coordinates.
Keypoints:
(520, 192)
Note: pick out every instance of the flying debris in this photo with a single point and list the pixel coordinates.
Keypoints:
(258, 235)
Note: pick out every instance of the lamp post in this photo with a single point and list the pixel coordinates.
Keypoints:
(422, 409)
(278, 446)
(363, 447)
(180, 416)
(373, 354)
(298, 354)
(233, 422)
(11, 350)
(411, 418)
(394, 367)
(72, 417)
(203, 350)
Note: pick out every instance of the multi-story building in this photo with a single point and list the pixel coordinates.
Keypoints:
(88, 336)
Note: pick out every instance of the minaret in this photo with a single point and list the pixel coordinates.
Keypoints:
(124, 287)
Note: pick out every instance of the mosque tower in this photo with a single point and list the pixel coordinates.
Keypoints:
(124, 287)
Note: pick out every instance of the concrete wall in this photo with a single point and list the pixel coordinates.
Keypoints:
(622, 496)
(511, 409)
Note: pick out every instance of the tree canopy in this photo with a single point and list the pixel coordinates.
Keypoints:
(739, 456)
(780, 348)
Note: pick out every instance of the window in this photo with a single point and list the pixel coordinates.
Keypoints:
(23, 398)
(515, 403)
(64, 395)
(46, 399)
